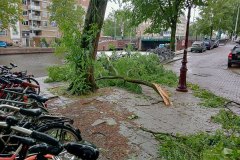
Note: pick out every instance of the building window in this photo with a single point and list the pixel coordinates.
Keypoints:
(25, 33)
(44, 4)
(3, 33)
(25, 13)
(24, 2)
(45, 23)
(44, 14)
(53, 24)
(25, 23)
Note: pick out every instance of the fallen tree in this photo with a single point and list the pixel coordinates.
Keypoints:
(155, 86)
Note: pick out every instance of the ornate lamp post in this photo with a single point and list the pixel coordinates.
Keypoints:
(182, 85)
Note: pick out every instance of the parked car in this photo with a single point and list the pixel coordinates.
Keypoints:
(3, 44)
(198, 46)
(215, 43)
(234, 56)
(9, 43)
(208, 44)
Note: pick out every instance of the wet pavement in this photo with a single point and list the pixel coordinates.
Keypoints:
(185, 117)
(210, 71)
(34, 63)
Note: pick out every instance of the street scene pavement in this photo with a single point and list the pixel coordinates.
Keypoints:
(121, 123)
(210, 71)
(108, 113)
(120, 80)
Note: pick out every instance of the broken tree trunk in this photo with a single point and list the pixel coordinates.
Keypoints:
(156, 87)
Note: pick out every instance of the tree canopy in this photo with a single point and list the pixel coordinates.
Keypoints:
(10, 11)
(118, 23)
(162, 15)
(218, 15)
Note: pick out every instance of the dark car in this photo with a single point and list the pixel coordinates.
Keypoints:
(198, 46)
(215, 43)
(208, 44)
(234, 56)
(3, 44)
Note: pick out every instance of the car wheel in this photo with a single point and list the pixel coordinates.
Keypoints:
(229, 65)
(201, 51)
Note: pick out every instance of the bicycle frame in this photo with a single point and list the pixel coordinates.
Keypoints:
(13, 157)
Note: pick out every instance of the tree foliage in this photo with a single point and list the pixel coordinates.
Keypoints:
(218, 15)
(117, 22)
(79, 40)
(10, 11)
(162, 15)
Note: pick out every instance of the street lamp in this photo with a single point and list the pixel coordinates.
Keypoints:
(182, 85)
(235, 30)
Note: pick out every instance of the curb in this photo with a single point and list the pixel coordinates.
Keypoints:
(173, 60)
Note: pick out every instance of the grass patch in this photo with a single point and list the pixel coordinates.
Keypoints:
(222, 145)
(228, 119)
(208, 98)
(58, 73)
(201, 146)
(61, 91)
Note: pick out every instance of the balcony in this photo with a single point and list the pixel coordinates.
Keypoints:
(33, 7)
(33, 17)
(35, 28)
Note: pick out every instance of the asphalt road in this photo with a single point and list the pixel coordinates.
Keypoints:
(210, 71)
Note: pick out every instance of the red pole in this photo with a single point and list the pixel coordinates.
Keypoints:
(182, 85)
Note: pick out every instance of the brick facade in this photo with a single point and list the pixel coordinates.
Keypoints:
(36, 24)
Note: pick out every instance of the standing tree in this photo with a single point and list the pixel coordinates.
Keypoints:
(163, 14)
(116, 21)
(213, 16)
(79, 41)
(10, 11)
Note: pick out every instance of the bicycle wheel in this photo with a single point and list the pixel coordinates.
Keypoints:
(64, 133)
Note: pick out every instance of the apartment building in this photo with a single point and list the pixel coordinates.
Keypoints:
(180, 30)
(36, 24)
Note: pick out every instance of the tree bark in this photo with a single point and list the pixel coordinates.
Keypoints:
(211, 32)
(173, 36)
(94, 18)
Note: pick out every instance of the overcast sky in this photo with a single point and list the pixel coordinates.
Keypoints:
(110, 6)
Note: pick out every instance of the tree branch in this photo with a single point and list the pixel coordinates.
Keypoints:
(154, 86)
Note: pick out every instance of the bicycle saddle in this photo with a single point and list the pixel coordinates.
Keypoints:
(13, 65)
(24, 140)
(38, 98)
(11, 121)
(83, 150)
(31, 112)
(43, 149)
